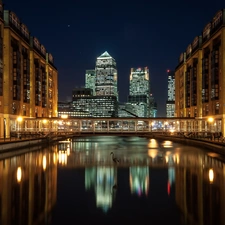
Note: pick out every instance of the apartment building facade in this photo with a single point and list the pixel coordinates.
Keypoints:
(28, 79)
(200, 75)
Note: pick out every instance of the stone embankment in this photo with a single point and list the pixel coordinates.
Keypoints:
(13, 144)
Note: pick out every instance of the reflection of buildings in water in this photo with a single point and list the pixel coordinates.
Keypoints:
(102, 180)
(64, 148)
(62, 157)
(27, 188)
(167, 144)
(171, 179)
(153, 144)
(84, 144)
(200, 189)
(170, 158)
(139, 180)
(65, 145)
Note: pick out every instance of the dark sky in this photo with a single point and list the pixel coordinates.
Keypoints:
(136, 33)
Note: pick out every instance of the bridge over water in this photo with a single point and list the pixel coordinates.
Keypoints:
(113, 126)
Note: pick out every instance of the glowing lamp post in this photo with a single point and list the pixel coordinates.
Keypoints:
(210, 120)
(19, 120)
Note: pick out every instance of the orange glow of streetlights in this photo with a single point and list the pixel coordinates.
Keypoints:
(19, 174)
(211, 175)
(210, 119)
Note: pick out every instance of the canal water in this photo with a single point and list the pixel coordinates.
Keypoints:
(113, 180)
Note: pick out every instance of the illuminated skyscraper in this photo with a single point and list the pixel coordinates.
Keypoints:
(139, 81)
(106, 76)
(139, 91)
(90, 79)
(170, 103)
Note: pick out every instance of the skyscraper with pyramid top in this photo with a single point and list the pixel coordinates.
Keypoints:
(106, 76)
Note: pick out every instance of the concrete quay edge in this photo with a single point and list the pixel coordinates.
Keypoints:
(11, 145)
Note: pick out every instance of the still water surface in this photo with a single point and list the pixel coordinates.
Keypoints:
(78, 182)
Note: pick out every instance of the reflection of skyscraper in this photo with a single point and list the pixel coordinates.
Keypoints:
(102, 180)
(139, 180)
(171, 178)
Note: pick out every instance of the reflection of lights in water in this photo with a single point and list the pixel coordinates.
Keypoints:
(152, 153)
(139, 180)
(166, 158)
(68, 151)
(171, 175)
(102, 179)
(177, 159)
(168, 153)
(98, 156)
(168, 188)
(54, 158)
(152, 143)
(44, 162)
(19, 174)
(169, 158)
(167, 144)
(62, 157)
(171, 179)
(211, 175)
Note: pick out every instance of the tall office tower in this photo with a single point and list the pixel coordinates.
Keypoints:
(139, 91)
(106, 76)
(90, 80)
(170, 103)
(152, 106)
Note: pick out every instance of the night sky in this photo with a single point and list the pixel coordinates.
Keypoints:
(135, 33)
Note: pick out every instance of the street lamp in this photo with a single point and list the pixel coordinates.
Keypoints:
(210, 120)
(19, 119)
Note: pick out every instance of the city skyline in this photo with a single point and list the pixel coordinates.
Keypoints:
(153, 36)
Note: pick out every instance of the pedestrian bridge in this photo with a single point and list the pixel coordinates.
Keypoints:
(113, 126)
